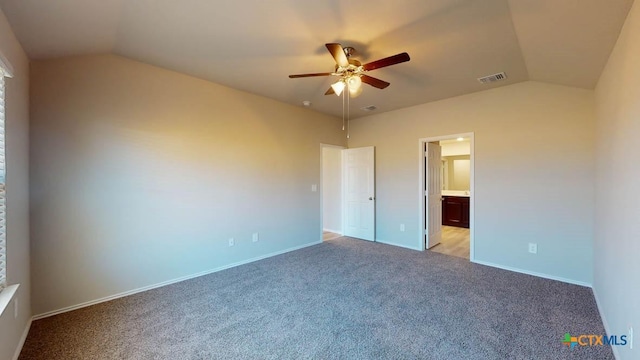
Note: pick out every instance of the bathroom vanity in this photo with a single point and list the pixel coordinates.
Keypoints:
(455, 208)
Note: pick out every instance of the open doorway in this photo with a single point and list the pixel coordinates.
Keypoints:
(331, 191)
(446, 195)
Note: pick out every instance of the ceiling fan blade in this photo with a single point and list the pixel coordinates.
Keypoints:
(330, 91)
(309, 75)
(388, 61)
(338, 54)
(380, 84)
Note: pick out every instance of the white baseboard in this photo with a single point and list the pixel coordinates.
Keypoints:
(333, 231)
(168, 282)
(607, 329)
(25, 333)
(396, 244)
(533, 273)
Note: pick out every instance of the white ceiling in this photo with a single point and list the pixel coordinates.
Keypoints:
(252, 45)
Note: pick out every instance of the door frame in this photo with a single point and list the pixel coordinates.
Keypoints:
(421, 190)
(340, 147)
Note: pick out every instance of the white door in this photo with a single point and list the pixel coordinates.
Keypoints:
(433, 194)
(359, 193)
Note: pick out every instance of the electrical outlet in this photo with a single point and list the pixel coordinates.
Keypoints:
(314, 187)
(533, 248)
(232, 241)
(15, 308)
(401, 227)
(255, 237)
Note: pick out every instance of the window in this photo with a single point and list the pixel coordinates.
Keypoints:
(3, 236)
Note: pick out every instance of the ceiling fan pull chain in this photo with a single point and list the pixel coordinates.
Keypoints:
(343, 112)
(348, 111)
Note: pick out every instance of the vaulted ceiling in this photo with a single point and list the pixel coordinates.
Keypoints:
(252, 45)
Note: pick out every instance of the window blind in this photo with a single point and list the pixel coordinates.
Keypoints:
(3, 221)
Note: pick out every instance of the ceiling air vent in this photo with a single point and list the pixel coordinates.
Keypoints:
(492, 78)
(369, 108)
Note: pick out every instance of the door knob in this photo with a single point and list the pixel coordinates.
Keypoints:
(370, 198)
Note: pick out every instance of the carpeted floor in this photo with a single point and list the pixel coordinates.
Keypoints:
(342, 299)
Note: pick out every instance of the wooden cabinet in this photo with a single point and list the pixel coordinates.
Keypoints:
(455, 211)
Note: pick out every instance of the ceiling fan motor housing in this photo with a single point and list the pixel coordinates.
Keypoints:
(349, 51)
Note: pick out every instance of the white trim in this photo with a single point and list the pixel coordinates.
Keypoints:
(607, 329)
(333, 231)
(472, 199)
(6, 295)
(332, 146)
(168, 282)
(397, 244)
(6, 66)
(533, 273)
(25, 333)
(322, 146)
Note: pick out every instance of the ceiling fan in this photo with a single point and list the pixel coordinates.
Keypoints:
(352, 73)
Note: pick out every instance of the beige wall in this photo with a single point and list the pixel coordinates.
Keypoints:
(458, 172)
(455, 148)
(461, 174)
(140, 175)
(617, 235)
(534, 173)
(17, 156)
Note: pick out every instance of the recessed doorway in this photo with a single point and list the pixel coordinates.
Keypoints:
(331, 191)
(446, 195)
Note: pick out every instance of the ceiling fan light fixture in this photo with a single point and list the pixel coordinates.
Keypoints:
(354, 82)
(354, 92)
(338, 87)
